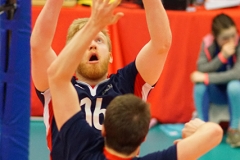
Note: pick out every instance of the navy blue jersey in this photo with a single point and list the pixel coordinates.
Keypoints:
(82, 142)
(94, 100)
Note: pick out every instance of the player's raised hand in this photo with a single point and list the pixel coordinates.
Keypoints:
(103, 12)
(191, 127)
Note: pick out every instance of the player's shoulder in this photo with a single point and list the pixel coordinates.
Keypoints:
(128, 70)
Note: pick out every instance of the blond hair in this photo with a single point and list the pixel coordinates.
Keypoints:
(78, 24)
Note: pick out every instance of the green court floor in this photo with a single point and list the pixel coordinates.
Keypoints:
(38, 147)
(156, 140)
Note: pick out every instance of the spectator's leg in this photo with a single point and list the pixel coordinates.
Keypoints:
(217, 94)
(233, 92)
(201, 100)
(233, 134)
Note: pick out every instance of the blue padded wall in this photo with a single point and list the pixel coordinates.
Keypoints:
(15, 82)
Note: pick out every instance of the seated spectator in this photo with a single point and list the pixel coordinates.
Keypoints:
(218, 73)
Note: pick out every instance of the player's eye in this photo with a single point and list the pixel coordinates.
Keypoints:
(99, 40)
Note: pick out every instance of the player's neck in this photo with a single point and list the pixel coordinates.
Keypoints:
(91, 82)
(112, 153)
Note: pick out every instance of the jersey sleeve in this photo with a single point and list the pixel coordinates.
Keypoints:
(40, 96)
(167, 154)
(45, 96)
(132, 82)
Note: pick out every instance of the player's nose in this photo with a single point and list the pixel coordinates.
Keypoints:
(93, 45)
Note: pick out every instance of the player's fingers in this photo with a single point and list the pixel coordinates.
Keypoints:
(116, 17)
(113, 4)
(98, 3)
(117, 2)
(106, 1)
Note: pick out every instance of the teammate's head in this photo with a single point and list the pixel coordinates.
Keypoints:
(126, 123)
(77, 24)
(223, 29)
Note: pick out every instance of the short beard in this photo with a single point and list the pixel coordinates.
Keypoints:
(92, 71)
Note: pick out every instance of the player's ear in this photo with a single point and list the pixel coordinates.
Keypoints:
(103, 131)
(111, 58)
(144, 139)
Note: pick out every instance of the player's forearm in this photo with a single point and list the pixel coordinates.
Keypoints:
(206, 137)
(158, 24)
(45, 26)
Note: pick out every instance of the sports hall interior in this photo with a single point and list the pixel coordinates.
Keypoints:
(171, 100)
